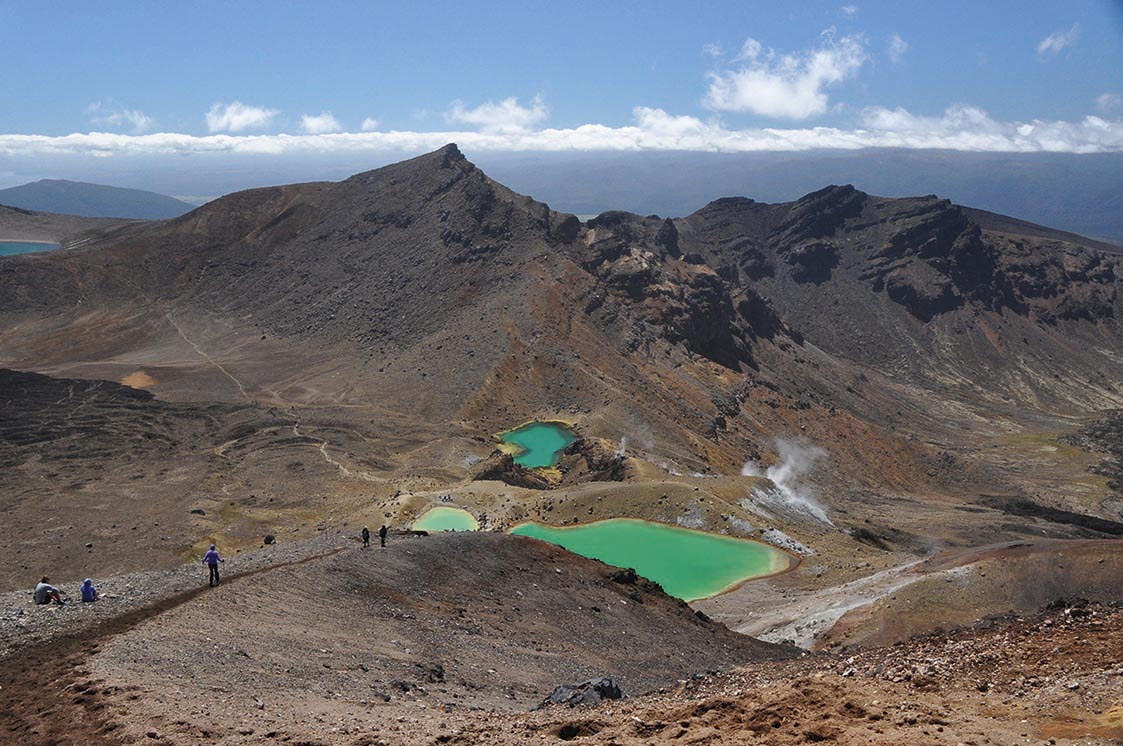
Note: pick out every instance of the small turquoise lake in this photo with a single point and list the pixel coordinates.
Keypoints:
(538, 444)
(8, 248)
(442, 518)
(688, 564)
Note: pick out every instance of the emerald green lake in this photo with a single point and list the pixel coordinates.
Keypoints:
(442, 518)
(688, 564)
(539, 443)
(8, 248)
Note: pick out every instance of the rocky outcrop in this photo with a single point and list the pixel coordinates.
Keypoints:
(501, 467)
(1104, 436)
(932, 259)
(680, 297)
(923, 254)
(818, 215)
(590, 692)
(584, 460)
(811, 261)
(1059, 281)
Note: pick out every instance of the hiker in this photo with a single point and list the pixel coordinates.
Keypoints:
(382, 534)
(89, 592)
(366, 536)
(211, 560)
(45, 593)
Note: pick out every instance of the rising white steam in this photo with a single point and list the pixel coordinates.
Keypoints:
(790, 494)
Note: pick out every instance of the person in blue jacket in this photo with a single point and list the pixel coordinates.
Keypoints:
(89, 592)
(211, 560)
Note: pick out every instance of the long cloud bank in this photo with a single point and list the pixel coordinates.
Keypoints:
(959, 128)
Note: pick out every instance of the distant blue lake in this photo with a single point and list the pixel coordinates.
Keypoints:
(7, 248)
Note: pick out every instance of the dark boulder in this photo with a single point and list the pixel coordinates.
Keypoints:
(812, 261)
(626, 576)
(589, 692)
(925, 297)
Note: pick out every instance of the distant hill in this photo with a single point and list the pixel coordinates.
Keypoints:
(1077, 193)
(93, 200)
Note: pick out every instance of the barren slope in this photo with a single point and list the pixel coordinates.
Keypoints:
(383, 328)
(447, 623)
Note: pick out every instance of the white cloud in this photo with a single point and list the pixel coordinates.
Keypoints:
(751, 50)
(137, 121)
(1109, 102)
(238, 117)
(1057, 41)
(790, 86)
(712, 49)
(370, 124)
(505, 117)
(897, 48)
(971, 128)
(963, 128)
(320, 124)
(849, 10)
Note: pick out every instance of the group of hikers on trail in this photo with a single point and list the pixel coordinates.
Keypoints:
(45, 593)
(381, 535)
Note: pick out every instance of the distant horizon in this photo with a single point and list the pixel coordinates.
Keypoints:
(215, 109)
(235, 173)
(1077, 193)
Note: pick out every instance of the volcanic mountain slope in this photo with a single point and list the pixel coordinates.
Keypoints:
(449, 639)
(97, 476)
(445, 623)
(916, 289)
(429, 270)
(399, 318)
(26, 225)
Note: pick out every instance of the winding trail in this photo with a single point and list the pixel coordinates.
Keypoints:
(323, 451)
(208, 358)
(323, 448)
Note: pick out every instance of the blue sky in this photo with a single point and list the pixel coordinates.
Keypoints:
(146, 79)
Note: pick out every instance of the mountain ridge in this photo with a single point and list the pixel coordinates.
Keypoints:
(407, 314)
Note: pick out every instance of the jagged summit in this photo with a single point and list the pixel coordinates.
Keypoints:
(446, 157)
(430, 236)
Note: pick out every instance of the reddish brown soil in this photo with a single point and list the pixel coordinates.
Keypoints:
(1056, 677)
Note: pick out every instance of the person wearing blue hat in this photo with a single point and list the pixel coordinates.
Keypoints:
(89, 592)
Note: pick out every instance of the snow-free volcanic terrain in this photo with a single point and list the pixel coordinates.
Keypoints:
(300, 361)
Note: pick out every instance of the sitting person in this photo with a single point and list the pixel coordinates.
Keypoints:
(89, 592)
(45, 592)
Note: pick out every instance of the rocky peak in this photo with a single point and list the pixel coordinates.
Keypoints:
(819, 214)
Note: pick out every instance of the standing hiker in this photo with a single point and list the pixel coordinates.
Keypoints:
(382, 534)
(366, 536)
(211, 560)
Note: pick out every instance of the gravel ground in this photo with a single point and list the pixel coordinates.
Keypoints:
(23, 623)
